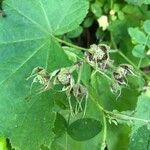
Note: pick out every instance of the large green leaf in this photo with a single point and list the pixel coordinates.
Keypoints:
(141, 139)
(140, 135)
(25, 43)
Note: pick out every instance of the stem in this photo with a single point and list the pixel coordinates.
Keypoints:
(119, 116)
(75, 46)
(104, 133)
(70, 44)
(80, 74)
(125, 117)
(66, 140)
(104, 74)
(140, 62)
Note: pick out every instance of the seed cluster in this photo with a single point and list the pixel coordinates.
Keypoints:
(98, 57)
(63, 76)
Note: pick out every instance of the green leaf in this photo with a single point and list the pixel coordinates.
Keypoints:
(146, 26)
(96, 9)
(88, 22)
(56, 17)
(25, 43)
(84, 129)
(137, 35)
(139, 138)
(60, 125)
(3, 143)
(66, 142)
(139, 51)
(138, 2)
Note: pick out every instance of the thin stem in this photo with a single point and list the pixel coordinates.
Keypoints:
(125, 117)
(70, 44)
(80, 74)
(118, 116)
(75, 46)
(127, 59)
(140, 62)
(104, 132)
(66, 140)
(104, 74)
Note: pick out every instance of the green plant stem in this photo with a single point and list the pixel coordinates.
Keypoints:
(75, 46)
(140, 62)
(70, 44)
(104, 74)
(104, 132)
(66, 140)
(119, 116)
(80, 73)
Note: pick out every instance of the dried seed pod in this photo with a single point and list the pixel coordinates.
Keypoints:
(119, 78)
(121, 73)
(98, 56)
(128, 69)
(42, 76)
(79, 91)
(64, 76)
(101, 52)
(116, 88)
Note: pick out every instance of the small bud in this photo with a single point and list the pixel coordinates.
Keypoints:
(112, 12)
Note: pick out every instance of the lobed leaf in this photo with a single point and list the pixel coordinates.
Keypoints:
(26, 42)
